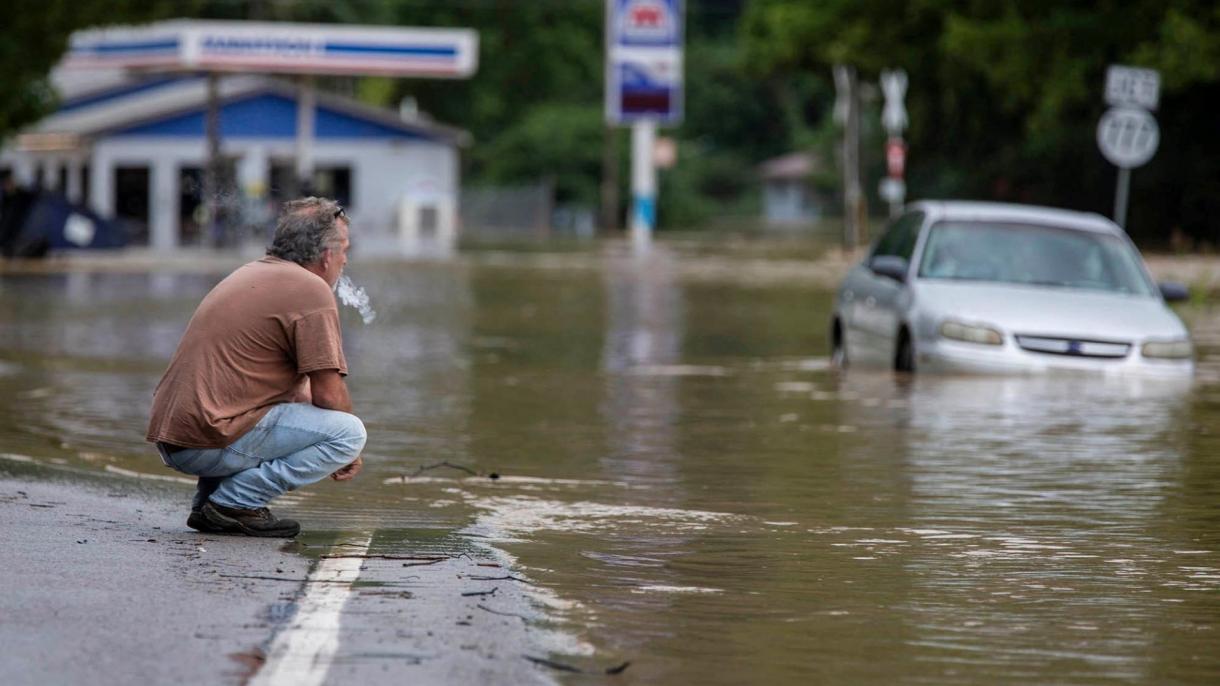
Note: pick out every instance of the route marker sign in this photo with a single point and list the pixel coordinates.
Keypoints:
(1127, 136)
(1131, 86)
(1127, 133)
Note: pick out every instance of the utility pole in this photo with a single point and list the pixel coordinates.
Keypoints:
(609, 189)
(847, 113)
(306, 114)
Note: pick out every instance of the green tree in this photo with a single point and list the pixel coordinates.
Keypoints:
(1005, 96)
(33, 38)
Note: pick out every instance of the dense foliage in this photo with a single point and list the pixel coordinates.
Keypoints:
(1003, 102)
(34, 35)
(1005, 96)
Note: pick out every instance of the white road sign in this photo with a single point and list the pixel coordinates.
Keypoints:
(892, 190)
(1132, 87)
(894, 87)
(1127, 136)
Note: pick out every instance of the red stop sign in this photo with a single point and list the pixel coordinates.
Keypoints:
(895, 157)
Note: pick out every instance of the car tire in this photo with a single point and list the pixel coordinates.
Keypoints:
(904, 358)
(838, 346)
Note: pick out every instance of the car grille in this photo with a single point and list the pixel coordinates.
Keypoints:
(1073, 347)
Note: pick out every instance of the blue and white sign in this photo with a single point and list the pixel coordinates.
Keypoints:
(278, 48)
(644, 61)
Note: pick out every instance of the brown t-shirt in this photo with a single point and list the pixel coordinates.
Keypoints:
(248, 347)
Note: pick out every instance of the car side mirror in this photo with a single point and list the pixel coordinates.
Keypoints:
(889, 266)
(1174, 292)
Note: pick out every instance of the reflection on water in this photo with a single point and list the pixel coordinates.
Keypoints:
(690, 487)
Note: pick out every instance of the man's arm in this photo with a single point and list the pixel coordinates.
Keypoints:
(329, 392)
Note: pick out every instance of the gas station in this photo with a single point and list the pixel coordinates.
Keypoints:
(182, 130)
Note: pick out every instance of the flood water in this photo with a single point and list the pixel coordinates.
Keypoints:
(689, 484)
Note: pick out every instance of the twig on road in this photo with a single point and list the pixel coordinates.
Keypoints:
(509, 577)
(502, 614)
(444, 463)
(451, 465)
(282, 578)
(563, 667)
(618, 669)
(423, 564)
(553, 664)
(431, 558)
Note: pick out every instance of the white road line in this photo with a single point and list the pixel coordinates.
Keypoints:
(301, 654)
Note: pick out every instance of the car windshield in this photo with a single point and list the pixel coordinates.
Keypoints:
(1034, 255)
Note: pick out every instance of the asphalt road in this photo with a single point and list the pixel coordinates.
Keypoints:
(104, 584)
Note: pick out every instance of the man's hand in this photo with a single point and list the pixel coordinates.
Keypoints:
(350, 471)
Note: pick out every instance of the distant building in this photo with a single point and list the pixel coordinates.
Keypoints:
(135, 149)
(789, 199)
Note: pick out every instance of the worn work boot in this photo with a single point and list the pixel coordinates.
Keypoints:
(258, 522)
(199, 523)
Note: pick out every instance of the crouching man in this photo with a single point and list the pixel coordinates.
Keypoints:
(254, 402)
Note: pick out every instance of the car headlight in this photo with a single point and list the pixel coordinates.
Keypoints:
(1168, 350)
(971, 333)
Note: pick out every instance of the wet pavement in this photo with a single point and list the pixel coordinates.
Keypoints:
(103, 585)
(684, 485)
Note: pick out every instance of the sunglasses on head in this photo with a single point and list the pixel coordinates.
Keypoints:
(340, 214)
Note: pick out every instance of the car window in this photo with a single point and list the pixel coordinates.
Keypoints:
(901, 237)
(1034, 255)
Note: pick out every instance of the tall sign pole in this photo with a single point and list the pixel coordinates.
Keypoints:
(643, 90)
(1127, 133)
(894, 118)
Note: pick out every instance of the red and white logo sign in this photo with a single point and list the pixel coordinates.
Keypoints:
(647, 22)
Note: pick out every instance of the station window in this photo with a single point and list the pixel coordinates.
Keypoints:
(328, 182)
(131, 202)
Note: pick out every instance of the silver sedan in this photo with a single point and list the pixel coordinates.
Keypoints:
(995, 288)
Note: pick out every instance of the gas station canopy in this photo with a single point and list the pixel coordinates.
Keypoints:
(274, 47)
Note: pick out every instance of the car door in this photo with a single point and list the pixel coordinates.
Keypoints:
(876, 301)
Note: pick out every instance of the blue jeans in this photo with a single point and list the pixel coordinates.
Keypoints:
(294, 445)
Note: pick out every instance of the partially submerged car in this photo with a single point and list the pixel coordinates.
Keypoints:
(979, 287)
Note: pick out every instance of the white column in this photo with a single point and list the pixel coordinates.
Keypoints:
(254, 173)
(74, 182)
(163, 205)
(101, 185)
(23, 169)
(643, 184)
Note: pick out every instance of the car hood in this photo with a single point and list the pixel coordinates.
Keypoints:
(1088, 315)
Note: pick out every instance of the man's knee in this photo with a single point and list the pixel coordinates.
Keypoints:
(350, 436)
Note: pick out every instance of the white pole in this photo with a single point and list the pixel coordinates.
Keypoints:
(643, 184)
(306, 103)
(164, 231)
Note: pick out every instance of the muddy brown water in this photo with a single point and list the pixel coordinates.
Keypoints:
(693, 489)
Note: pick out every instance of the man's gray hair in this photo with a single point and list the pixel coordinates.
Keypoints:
(305, 228)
